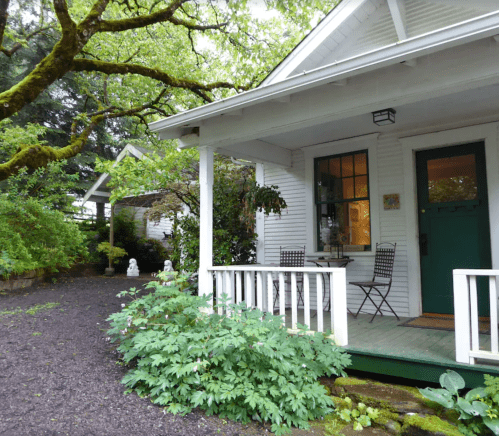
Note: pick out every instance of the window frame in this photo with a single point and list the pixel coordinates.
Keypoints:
(366, 142)
(319, 203)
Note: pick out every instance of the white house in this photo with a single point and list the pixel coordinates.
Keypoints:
(427, 178)
(100, 193)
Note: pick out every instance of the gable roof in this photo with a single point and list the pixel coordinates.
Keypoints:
(356, 27)
(100, 192)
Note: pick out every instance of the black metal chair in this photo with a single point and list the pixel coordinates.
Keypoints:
(291, 256)
(383, 269)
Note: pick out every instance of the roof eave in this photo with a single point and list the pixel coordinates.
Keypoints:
(448, 37)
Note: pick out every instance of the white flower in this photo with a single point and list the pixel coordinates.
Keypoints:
(304, 366)
(123, 304)
(195, 368)
(166, 316)
(199, 360)
(259, 343)
(142, 328)
(123, 331)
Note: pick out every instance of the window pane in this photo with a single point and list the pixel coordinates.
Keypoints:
(360, 164)
(452, 179)
(348, 191)
(361, 187)
(348, 224)
(347, 166)
(335, 167)
(360, 223)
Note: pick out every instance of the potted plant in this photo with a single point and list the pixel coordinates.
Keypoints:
(114, 254)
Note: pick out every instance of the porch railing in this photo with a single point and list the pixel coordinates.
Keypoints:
(254, 285)
(468, 347)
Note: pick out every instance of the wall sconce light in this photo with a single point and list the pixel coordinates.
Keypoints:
(384, 117)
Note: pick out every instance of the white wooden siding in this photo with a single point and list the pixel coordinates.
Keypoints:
(290, 228)
(146, 228)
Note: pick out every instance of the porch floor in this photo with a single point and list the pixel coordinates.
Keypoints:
(386, 347)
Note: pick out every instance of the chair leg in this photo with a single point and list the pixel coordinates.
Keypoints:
(276, 295)
(368, 295)
(383, 300)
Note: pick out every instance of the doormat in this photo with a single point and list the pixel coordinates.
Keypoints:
(426, 322)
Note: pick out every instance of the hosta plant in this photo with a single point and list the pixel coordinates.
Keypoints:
(243, 366)
(478, 409)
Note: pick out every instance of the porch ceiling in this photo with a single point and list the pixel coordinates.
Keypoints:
(464, 106)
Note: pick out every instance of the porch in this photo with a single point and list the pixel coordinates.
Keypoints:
(385, 346)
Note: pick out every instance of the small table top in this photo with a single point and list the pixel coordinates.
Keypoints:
(340, 262)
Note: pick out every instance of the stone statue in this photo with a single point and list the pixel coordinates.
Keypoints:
(133, 269)
(168, 269)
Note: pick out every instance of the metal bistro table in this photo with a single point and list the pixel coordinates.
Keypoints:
(340, 262)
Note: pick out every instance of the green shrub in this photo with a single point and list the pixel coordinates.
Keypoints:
(36, 237)
(478, 409)
(240, 367)
(6, 264)
(113, 253)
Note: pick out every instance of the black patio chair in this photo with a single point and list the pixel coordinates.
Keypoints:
(291, 256)
(382, 278)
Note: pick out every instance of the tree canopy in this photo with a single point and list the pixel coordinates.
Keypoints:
(138, 58)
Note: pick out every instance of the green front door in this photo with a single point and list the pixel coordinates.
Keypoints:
(453, 222)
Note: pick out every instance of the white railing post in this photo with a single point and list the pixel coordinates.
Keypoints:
(270, 293)
(239, 288)
(338, 292)
(282, 297)
(259, 290)
(306, 299)
(320, 313)
(494, 345)
(294, 302)
(462, 318)
(249, 288)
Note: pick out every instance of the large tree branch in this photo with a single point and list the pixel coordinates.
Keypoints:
(4, 6)
(36, 156)
(62, 12)
(142, 20)
(122, 68)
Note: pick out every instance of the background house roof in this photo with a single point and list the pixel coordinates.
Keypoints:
(99, 191)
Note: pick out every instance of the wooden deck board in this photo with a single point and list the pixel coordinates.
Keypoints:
(421, 350)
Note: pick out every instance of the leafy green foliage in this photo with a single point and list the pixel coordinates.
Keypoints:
(76, 65)
(36, 237)
(50, 185)
(244, 366)
(478, 409)
(6, 264)
(360, 415)
(113, 253)
(236, 199)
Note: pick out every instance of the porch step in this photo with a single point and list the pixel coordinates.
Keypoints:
(416, 369)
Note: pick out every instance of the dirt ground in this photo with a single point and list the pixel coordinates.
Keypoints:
(59, 375)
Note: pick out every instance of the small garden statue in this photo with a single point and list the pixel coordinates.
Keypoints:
(168, 269)
(133, 269)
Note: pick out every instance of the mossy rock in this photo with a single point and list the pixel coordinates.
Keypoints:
(415, 425)
(394, 398)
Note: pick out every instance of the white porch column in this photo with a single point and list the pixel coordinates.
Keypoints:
(205, 219)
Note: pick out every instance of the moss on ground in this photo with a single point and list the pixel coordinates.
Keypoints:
(431, 423)
(349, 381)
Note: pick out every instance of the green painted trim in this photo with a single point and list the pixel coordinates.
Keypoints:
(416, 369)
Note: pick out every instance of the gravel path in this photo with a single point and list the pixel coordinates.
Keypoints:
(59, 376)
